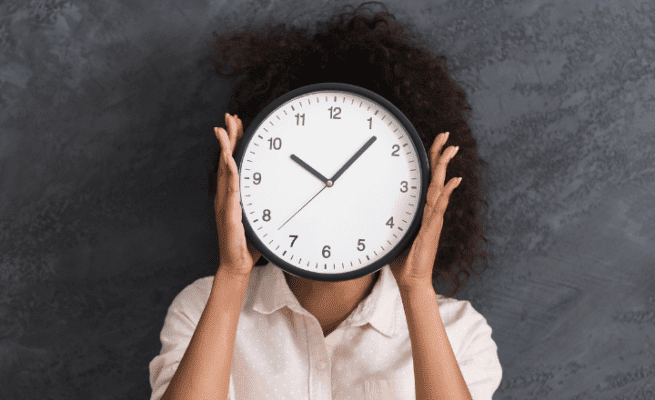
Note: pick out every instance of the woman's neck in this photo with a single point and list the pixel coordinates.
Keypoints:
(331, 302)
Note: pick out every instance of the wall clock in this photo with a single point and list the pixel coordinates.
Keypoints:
(333, 181)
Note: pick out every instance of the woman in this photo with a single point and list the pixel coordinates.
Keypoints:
(386, 335)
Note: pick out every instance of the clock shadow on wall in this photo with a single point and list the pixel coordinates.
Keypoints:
(281, 174)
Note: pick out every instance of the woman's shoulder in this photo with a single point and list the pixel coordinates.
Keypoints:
(200, 285)
(193, 295)
(455, 311)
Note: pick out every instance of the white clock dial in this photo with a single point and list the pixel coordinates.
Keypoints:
(326, 224)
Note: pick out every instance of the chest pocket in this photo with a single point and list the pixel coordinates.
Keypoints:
(399, 389)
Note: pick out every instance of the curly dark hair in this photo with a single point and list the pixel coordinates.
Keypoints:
(378, 54)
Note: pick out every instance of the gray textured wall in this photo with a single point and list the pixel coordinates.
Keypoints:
(105, 129)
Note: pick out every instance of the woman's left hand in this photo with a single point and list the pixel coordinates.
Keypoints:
(413, 267)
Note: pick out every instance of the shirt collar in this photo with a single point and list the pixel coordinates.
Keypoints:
(380, 308)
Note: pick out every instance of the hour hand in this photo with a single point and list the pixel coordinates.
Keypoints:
(310, 169)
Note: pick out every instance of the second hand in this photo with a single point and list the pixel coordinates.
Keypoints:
(329, 184)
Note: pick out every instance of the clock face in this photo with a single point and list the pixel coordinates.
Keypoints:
(333, 180)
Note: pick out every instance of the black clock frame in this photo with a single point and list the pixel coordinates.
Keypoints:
(410, 234)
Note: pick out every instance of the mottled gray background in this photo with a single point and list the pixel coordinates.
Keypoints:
(105, 129)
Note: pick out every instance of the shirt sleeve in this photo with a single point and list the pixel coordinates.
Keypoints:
(180, 323)
(480, 365)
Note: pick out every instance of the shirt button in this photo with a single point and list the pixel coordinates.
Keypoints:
(321, 365)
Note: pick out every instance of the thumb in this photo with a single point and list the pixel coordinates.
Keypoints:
(254, 253)
(400, 259)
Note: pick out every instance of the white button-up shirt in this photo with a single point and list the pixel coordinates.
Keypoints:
(280, 351)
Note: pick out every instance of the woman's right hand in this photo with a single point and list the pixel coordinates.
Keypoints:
(238, 255)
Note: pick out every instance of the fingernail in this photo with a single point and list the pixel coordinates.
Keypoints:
(446, 135)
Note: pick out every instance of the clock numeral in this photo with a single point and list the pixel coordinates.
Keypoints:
(275, 143)
(294, 239)
(267, 215)
(396, 150)
(337, 111)
(390, 222)
(298, 116)
(361, 243)
(404, 184)
(326, 249)
(257, 178)
(370, 123)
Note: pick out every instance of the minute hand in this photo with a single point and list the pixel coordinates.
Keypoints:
(353, 158)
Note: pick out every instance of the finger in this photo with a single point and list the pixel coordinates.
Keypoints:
(435, 154)
(239, 128)
(220, 135)
(223, 140)
(441, 158)
(226, 159)
(231, 124)
(437, 146)
(235, 128)
(439, 174)
(444, 198)
(434, 216)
